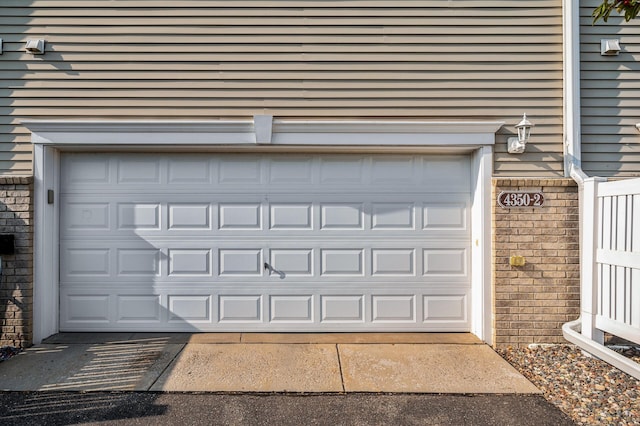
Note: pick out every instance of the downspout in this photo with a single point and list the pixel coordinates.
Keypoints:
(571, 49)
(573, 168)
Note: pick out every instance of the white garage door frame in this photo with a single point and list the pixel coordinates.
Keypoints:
(262, 134)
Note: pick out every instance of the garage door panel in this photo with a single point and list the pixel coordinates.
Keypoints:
(157, 261)
(443, 174)
(85, 309)
(341, 171)
(342, 308)
(190, 262)
(240, 308)
(291, 262)
(232, 311)
(236, 262)
(235, 242)
(291, 309)
(281, 214)
(137, 308)
(289, 216)
(396, 262)
(138, 216)
(393, 308)
(138, 170)
(236, 216)
(439, 216)
(190, 171)
(86, 170)
(240, 171)
(189, 308)
(296, 171)
(145, 262)
(86, 216)
(341, 216)
(393, 170)
(395, 216)
(437, 262)
(189, 216)
(447, 174)
(445, 308)
(342, 262)
(86, 262)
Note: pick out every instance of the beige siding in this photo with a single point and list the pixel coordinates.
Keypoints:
(430, 60)
(610, 96)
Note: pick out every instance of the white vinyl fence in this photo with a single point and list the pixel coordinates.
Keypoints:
(611, 259)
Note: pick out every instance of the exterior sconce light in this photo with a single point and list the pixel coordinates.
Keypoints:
(517, 145)
(35, 46)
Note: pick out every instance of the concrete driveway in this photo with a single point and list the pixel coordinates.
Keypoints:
(455, 363)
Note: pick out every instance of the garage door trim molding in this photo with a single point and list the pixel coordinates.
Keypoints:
(275, 132)
(50, 137)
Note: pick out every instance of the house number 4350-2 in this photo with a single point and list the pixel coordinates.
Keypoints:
(510, 199)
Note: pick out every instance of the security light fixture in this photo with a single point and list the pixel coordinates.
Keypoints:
(517, 145)
(35, 46)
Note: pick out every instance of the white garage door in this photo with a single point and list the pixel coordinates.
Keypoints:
(237, 242)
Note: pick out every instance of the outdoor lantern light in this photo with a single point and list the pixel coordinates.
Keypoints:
(517, 145)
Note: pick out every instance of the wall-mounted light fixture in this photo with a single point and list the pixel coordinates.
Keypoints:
(35, 46)
(517, 145)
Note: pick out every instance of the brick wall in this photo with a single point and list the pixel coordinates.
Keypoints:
(16, 282)
(533, 301)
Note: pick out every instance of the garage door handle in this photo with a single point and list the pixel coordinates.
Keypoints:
(273, 270)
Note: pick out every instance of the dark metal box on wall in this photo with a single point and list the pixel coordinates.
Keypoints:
(7, 244)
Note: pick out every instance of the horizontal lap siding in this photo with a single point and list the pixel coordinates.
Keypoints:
(429, 60)
(610, 96)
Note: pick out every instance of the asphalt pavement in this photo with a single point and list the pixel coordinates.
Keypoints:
(151, 408)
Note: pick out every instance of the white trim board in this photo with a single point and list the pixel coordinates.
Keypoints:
(277, 132)
(50, 137)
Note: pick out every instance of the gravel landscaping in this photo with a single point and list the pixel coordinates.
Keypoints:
(590, 391)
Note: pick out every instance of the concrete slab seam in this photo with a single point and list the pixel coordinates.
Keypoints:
(340, 368)
(169, 364)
